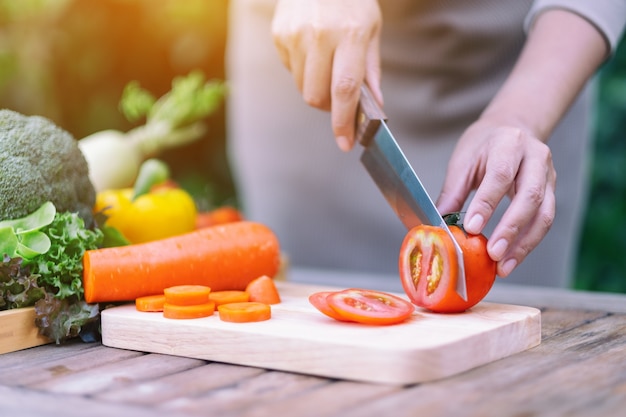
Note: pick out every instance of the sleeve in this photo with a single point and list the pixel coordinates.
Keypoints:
(608, 16)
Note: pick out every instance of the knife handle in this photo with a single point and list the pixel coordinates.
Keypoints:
(368, 117)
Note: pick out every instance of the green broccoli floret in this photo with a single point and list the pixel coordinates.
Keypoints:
(41, 162)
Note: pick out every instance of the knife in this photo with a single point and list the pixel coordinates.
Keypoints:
(394, 176)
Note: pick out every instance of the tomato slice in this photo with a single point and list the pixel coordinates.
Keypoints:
(320, 302)
(429, 268)
(369, 306)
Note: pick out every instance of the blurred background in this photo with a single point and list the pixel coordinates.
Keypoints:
(69, 60)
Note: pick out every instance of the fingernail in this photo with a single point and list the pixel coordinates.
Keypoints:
(475, 224)
(344, 143)
(499, 249)
(508, 266)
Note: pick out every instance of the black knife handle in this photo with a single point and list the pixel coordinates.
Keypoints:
(368, 117)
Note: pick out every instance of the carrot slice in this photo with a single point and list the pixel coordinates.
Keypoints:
(186, 295)
(172, 311)
(222, 257)
(263, 290)
(226, 297)
(150, 302)
(244, 312)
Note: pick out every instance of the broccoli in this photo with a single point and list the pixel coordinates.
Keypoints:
(41, 162)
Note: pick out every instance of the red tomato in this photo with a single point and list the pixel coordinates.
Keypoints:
(219, 215)
(363, 306)
(319, 301)
(429, 269)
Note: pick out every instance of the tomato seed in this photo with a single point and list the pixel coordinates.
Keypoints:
(436, 270)
(416, 266)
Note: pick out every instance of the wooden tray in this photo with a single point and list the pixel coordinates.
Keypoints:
(18, 330)
(300, 339)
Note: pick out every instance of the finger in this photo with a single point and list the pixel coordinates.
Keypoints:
(297, 61)
(347, 76)
(283, 54)
(531, 190)
(291, 48)
(317, 78)
(531, 237)
(372, 69)
(501, 171)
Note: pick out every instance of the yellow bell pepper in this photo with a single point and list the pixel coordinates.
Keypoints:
(159, 213)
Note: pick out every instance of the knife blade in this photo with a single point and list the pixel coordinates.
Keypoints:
(395, 177)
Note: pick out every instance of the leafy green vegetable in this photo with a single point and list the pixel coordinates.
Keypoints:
(41, 217)
(62, 313)
(60, 320)
(18, 287)
(22, 237)
(61, 268)
(52, 279)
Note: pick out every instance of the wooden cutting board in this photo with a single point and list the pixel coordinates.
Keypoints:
(18, 330)
(298, 338)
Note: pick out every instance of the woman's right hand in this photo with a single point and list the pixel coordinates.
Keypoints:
(331, 47)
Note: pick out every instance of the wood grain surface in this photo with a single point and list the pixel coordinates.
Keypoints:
(18, 330)
(578, 370)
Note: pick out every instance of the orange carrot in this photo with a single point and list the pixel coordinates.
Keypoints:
(226, 297)
(223, 257)
(263, 290)
(150, 302)
(187, 295)
(196, 311)
(244, 312)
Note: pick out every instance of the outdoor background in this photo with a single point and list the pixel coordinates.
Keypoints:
(69, 60)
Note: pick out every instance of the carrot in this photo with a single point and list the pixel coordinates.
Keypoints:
(226, 297)
(244, 312)
(150, 302)
(223, 257)
(263, 290)
(186, 295)
(196, 311)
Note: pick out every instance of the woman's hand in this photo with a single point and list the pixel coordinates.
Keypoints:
(497, 161)
(505, 151)
(331, 47)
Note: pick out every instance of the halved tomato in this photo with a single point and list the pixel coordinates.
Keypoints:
(363, 306)
(429, 268)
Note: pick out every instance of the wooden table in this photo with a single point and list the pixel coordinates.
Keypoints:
(579, 369)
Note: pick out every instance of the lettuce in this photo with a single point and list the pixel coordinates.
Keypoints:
(62, 313)
(18, 287)
(60, 269)
(60, 319)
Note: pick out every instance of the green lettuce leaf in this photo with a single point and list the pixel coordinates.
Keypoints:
(61, 268)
